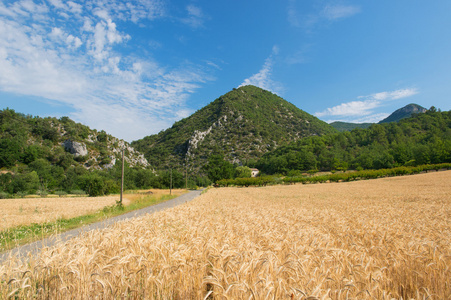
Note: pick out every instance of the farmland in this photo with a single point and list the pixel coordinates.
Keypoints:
(28, 219)
(373, 239)
(25, 211)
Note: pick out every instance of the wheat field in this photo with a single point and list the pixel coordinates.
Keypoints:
(388, 238)
(26, 211)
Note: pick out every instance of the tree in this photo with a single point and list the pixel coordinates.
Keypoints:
(10, 152)
(218, 168)
(243, 172)
(27, 182)
(92, 184)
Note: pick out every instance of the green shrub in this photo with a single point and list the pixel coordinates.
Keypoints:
(4, 195)
(78, 192)
(60, 193)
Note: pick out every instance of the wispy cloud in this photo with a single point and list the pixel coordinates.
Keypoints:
(364, 109)
(195, 16)
(75, 60)
(328, 12)
(263, 78)
(338, 11)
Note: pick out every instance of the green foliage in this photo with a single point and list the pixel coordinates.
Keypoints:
(92, 184)
(23, 182)
(344, 126)
(218, 168)
(421, 139)
(254, 181)
(367, 174)
(243, 172)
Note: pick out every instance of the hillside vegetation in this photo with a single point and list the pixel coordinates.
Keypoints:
(35, 160)
(242, 125)
(421, 139)
(26, 138)
(345, 126)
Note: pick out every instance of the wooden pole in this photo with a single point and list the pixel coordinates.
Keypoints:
(186, 173)
(170, 185)
(122, 176)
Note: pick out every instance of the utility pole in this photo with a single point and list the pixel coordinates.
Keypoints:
(186, 172)
(170, 185)
(122, 177)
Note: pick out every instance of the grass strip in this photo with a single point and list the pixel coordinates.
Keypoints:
(16, 236)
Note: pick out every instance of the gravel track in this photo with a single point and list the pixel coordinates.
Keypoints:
(35, 247)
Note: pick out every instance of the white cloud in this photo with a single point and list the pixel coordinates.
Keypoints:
(365, 108)
(293, 17)
(195, 16)
(320, 14)
(393, 95)
(75, 61)
(334, 12)
(353, 108)
(263, 78)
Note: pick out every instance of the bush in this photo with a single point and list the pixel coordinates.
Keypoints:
(78, 192)
(92, 184)
(60, 193)
(21, 194)
(42, 193)
(4, 195)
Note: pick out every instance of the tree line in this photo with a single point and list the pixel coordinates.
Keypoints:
(422, 139)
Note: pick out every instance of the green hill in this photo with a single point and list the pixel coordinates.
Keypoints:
(242, 125)
(62, 142)
(49, 155)
(421, 139)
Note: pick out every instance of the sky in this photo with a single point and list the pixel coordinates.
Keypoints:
(133, 68)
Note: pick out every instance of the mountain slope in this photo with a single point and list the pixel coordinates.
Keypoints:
(404, 112)
(242, 124)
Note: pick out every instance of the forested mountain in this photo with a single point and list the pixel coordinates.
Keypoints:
(421, 139)
(404, 112)
(345, 126)
(242, 125)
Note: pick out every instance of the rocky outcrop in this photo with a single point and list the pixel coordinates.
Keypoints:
(75, 148)
(199, 136)
(132, 157)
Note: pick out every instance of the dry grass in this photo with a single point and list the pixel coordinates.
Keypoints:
(380, 239)
(26, 211)
(157, 193)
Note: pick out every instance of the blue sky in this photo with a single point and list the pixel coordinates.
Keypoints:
(132, 68)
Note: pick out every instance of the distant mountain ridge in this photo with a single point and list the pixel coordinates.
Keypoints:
(243, 124)
(404, 112)
(399, 114)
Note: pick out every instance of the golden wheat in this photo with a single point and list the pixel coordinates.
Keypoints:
(25, 211)
(381, 239)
